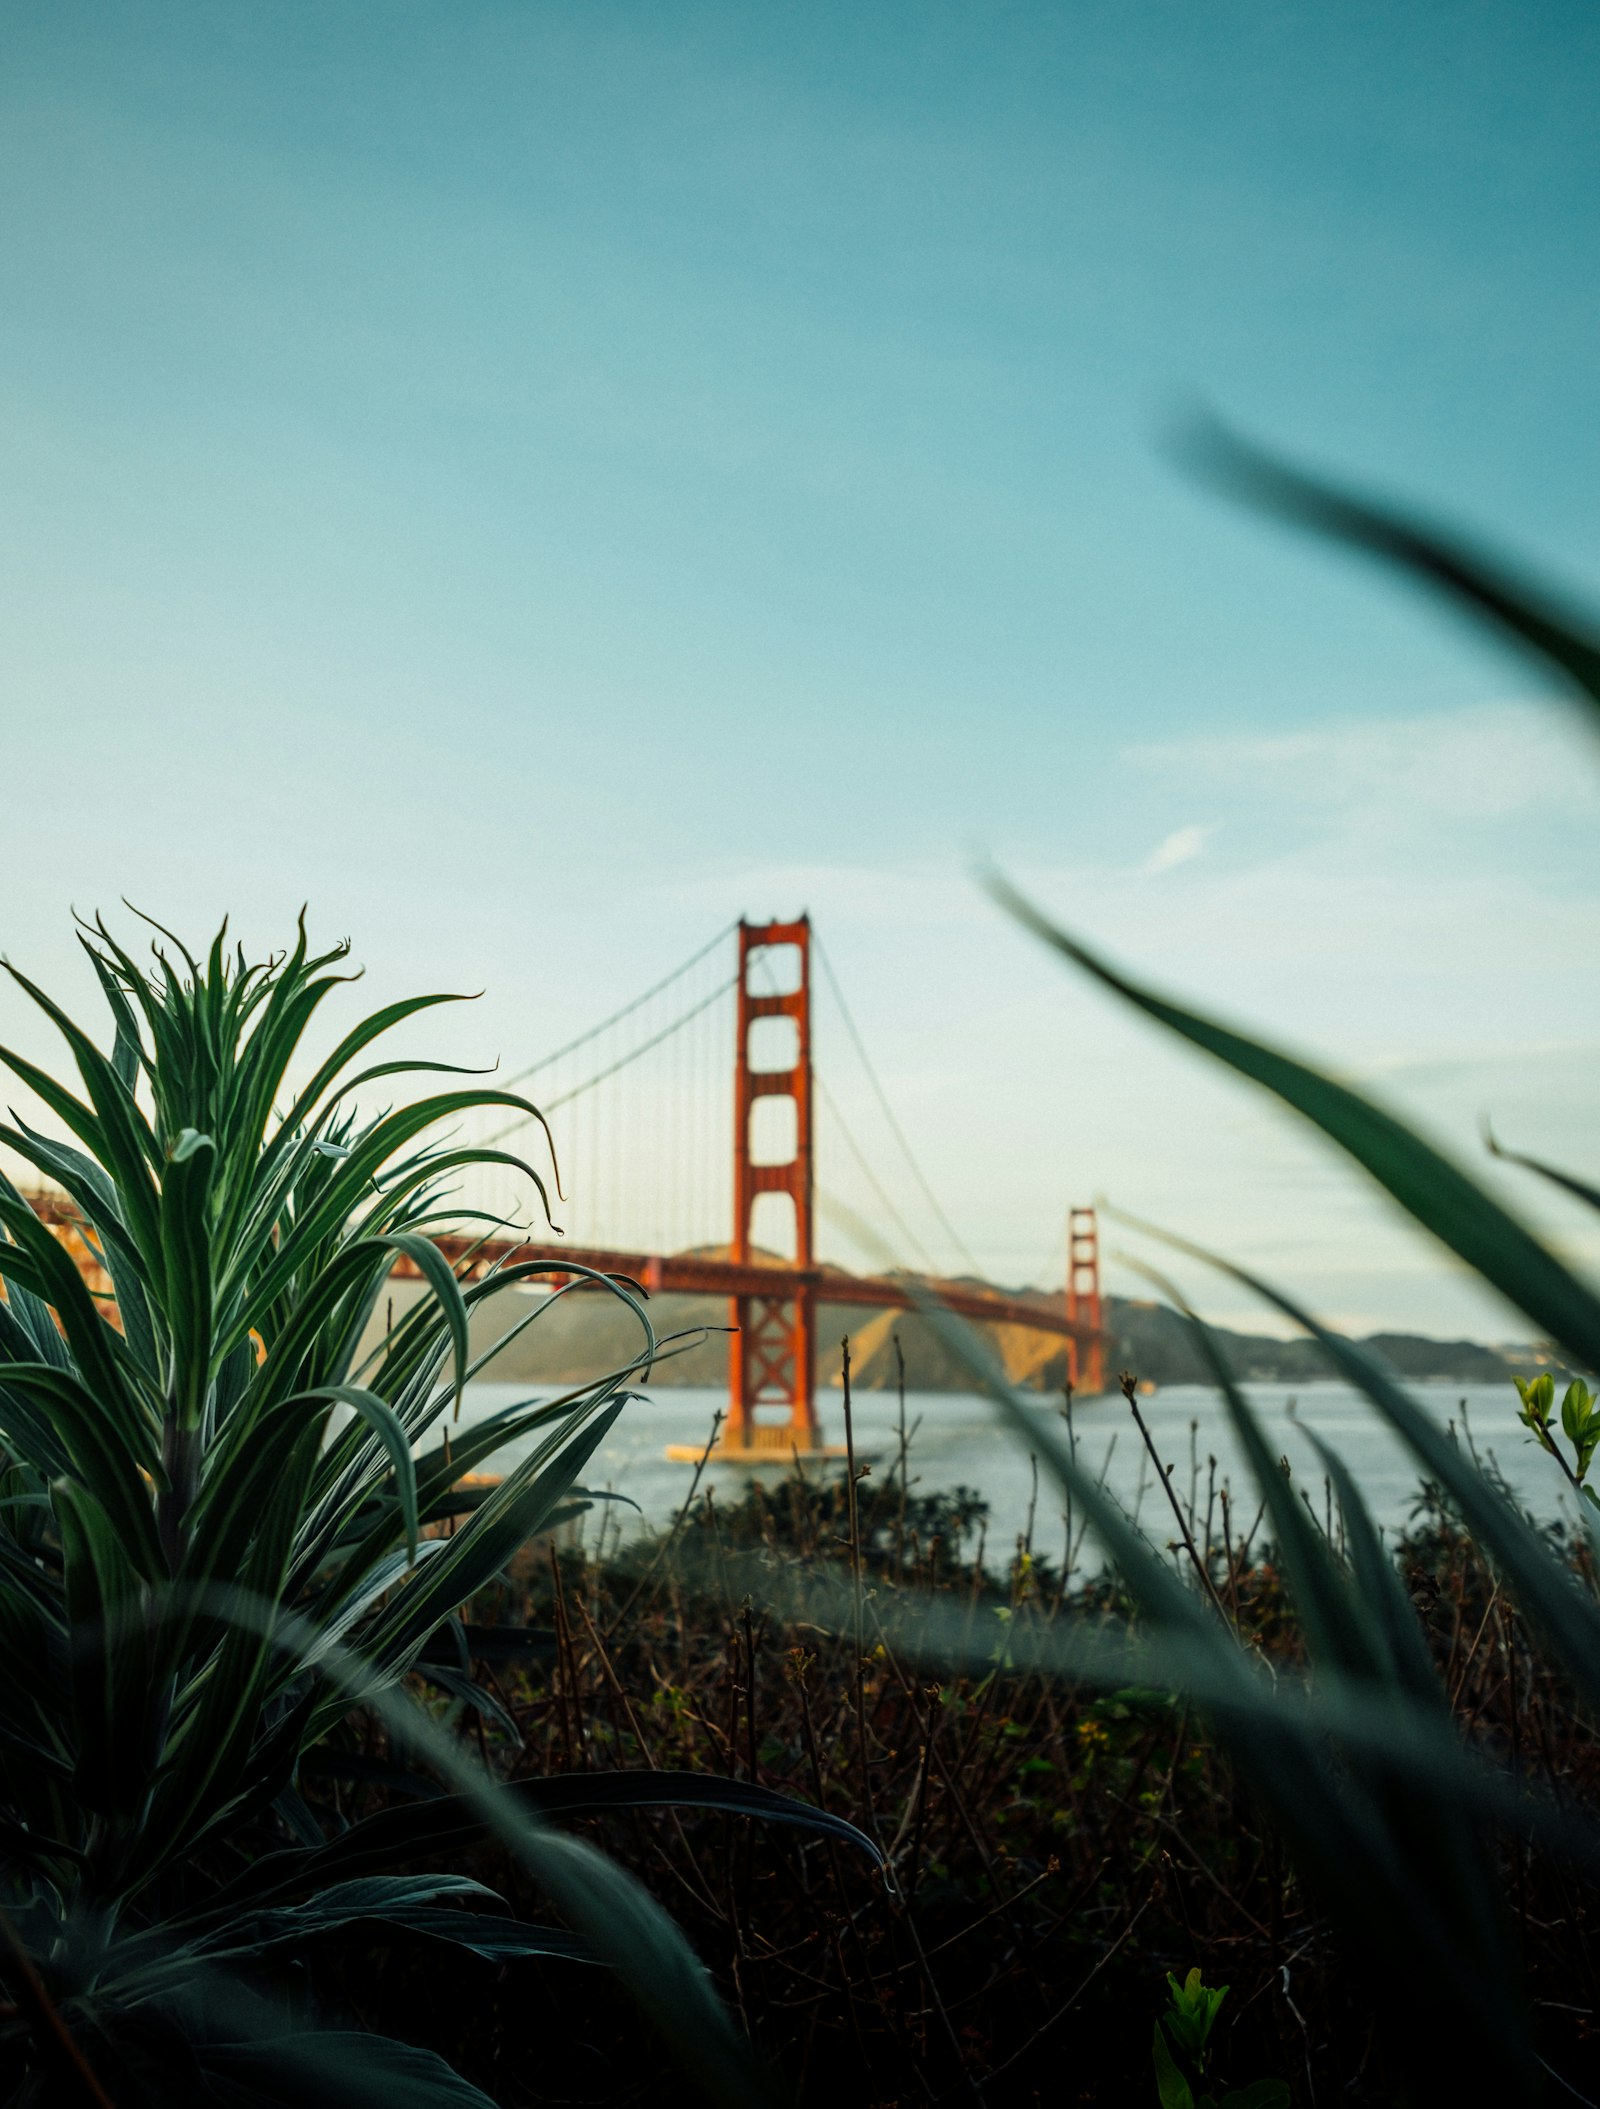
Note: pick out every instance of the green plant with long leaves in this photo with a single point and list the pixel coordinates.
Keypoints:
(215, 1512)
(1391, 1821)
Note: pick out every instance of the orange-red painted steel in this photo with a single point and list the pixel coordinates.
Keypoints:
(1086, 1351)
(672, 1275)
(773, 1351)
(691, 1275)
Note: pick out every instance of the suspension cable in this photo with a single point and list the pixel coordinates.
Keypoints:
(888, 1111)
(1039, 1279)
(910, 1236)
(622, 1062)
(626, 1011)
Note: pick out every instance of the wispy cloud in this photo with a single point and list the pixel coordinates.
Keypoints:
(1490, 761)
(1177, 848)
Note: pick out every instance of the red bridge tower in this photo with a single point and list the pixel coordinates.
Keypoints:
(1086, 1354)
(772, 1356)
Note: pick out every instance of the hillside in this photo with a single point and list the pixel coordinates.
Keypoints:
(576, 1335)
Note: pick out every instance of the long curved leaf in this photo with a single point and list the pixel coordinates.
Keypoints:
(384, 1422)
(436, 1271)
(338, 2069)
(451, 1823)
(1431, 1190)
(1569, 1183)
(47, 1407)
(1547, 1591)
(1520, 610)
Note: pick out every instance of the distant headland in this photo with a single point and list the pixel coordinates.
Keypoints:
(583, 1332)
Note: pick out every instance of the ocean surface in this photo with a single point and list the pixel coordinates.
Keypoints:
(957, 1440)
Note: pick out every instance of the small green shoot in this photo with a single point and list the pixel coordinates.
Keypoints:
(1580, 1424)
(1188, 2022)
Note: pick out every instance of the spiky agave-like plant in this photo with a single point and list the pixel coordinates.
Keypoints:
(211, 1548)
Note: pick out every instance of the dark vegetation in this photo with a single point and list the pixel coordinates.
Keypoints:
(1058, 1850)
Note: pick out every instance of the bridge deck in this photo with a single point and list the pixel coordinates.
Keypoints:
(690, 1274)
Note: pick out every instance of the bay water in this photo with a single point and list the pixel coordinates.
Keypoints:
(957, 1440)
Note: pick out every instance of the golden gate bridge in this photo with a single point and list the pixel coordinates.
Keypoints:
(770, 1101)
(642, 1107)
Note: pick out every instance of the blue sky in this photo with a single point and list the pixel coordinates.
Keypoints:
(539, 482)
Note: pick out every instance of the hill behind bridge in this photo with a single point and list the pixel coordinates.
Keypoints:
(582, 1332)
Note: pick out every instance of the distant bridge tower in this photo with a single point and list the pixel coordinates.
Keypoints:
(1086, 1352)
(773, 1355)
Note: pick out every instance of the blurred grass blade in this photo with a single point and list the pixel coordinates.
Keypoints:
(449, 1824)
(1580, 1189)
(335, 2069)
(1431, 1190)
(1401, 1872)
(1335, 1632)
(1291, 1711)
(619, 1918)
(1396, 1623)
(1546, 1589)
(1519, 610)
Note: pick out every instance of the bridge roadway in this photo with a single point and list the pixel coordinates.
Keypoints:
(691, 1274)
